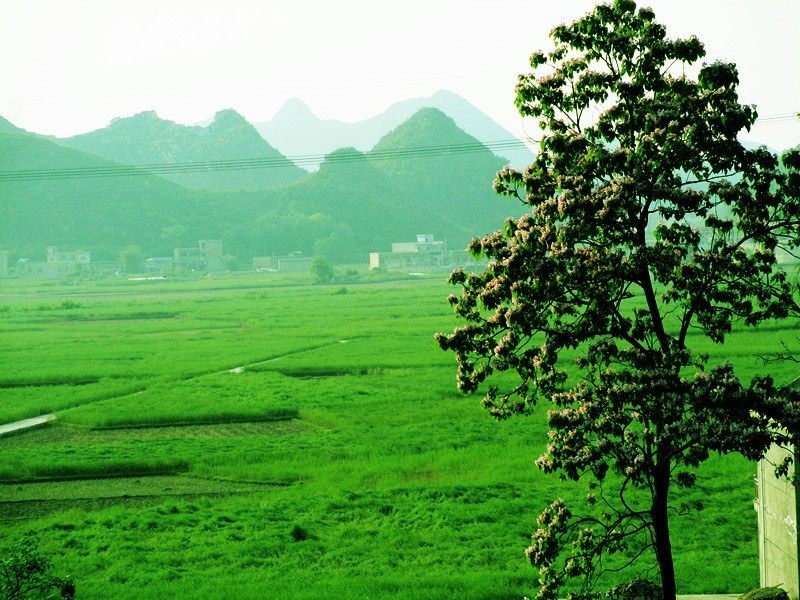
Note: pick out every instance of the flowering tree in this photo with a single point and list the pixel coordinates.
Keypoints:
(645, 220)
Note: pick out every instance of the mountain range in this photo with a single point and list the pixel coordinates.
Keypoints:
(145, 139)
(355, 203)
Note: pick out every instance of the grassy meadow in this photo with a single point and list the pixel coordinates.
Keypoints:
(256, 437)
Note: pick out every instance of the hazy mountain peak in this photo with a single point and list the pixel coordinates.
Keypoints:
(146, 120)
(348, 154)
(294, 110)
(447, 95)
(295, 131)
(229, 116)
(428, 126)
(142, 117)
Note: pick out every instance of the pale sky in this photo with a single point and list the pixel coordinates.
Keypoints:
(70, 66)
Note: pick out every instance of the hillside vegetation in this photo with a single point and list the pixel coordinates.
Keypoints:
(355, 204)
(145, 139)
(454, 185)
(95, 213)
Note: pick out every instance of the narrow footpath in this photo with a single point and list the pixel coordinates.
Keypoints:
(25, 423)
(33, 422)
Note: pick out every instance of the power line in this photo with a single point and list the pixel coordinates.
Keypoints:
(778, 118)
(256, 163)
(124, 170)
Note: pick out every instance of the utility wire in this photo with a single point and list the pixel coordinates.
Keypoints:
(256, 163)
(121, 170)
(777, 118)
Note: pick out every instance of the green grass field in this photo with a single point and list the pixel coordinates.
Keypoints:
(253, 437)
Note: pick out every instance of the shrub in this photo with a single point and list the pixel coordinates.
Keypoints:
(298, 534)
(25, 573)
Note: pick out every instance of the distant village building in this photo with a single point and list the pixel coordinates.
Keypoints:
(156, 264)
(424, 253)
(188, 258)
(3, 263)
(54, 256)
(264, 263)
(58, 265)
(211, 251)
(206, 256)
(295, 262)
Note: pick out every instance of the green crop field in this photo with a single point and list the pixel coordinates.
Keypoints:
(256, 437)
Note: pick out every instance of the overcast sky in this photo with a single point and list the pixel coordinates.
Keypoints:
(70, 66)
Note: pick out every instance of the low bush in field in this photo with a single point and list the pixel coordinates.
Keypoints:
(25, 573)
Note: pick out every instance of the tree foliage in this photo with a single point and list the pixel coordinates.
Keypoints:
(25, 573)
(131, 259)
(648, 221)
(321, 270)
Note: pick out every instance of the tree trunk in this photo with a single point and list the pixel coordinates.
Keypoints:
(663, 547)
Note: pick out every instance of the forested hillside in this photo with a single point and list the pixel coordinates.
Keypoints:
(97, 213)
(7, 127)
(354, 204)
(344, 210)
(145, 139)
(358, 203)
(454, 184)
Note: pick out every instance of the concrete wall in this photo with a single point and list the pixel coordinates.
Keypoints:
(777, 506)
(399, 247)
(210, 248)
(294, 265)
(262, 262)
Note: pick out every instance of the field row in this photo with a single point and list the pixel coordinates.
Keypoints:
(179, 410)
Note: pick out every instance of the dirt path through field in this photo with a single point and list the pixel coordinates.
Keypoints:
(33, 422)
(25, 423)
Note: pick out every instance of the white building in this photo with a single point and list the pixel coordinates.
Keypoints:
(58, 265)
(424, 253)
(81, 257)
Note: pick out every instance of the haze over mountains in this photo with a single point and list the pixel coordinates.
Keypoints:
(360, 200)
(296, 131)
